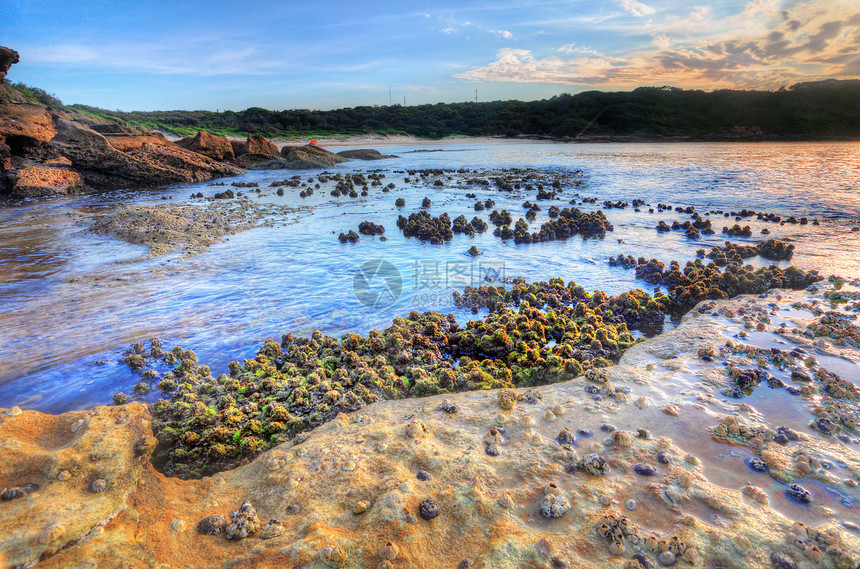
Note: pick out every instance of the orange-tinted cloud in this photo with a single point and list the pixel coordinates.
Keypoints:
(763, 46)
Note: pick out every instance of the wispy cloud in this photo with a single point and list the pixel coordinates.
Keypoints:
(810, 41)
(200, 57)
(636, 8)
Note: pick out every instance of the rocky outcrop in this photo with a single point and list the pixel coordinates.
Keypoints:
(251, 159)
(215, 147)
(5, 156)
(44, 180)
(26, 128)
(364, 154)
(532, 477)
(8, 58)
(238, 147)
(103, 166)
(257, 144)
(128, 142)
(309, 156)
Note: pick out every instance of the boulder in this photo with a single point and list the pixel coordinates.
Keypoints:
(248, 160)
(103, 166)
(309, 156)
(257, 144)
(364, 154)
(8, 58)
(43, 180)
(25, 127)
(238, 147)
(208, 144)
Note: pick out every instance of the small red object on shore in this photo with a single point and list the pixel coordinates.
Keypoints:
(314, 142)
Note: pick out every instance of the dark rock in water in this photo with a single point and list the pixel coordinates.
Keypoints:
(775, 383)
(793, 390)
(213, 525)
(644, 469)
(799, 493)
(607, 428)
(748, 378)
(757, 464)
(584, 433)
(565, 437)
(293, 509)
(784, 435)
(780, 561)
(19, 491)
(423, 476)
(663, 458)
(642, 561)
(800, 376)
(243, 522)
(823, 425)
(733, 391)
(429, 509)
(364, 154)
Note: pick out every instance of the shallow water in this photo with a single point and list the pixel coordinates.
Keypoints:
(69, 305)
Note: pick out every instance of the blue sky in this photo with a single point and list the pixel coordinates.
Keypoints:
(321, 54)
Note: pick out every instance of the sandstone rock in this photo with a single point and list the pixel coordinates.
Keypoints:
(25, 126)
(257, 144)
(309, 156)
(249, 159)
(208, 144)
(238, 147)
(364, 154)
(103, 166)
(42, 180)
(133, 141)
(488, 508)
(5, 156)
(36, 447)
(8, 58)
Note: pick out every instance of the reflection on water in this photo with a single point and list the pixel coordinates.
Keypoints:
(68, 306)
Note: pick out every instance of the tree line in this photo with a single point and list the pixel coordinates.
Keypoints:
(806, 110)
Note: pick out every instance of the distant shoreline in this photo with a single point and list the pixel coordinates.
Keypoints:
(373, 140)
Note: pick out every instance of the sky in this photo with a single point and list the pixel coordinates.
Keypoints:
(320, 54)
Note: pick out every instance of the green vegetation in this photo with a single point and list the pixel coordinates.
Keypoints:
(806, 110)
(34, 94)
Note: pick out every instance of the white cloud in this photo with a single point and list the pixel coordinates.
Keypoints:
(662, 41)
(700, 13)
(636, 8)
